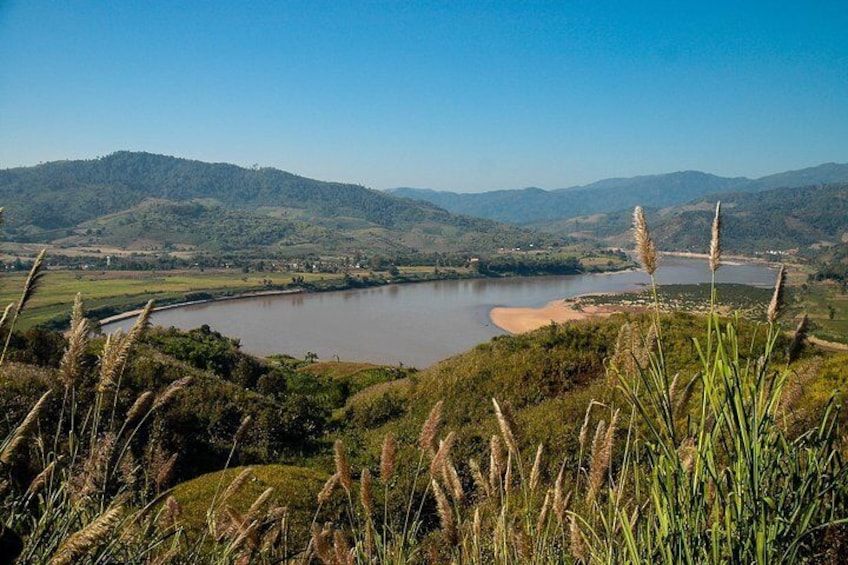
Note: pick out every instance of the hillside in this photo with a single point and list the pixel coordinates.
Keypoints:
(532, 205)
(154, 201)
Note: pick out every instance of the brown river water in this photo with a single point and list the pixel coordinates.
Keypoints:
(414, 324)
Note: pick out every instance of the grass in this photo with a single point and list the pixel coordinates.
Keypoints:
(694, 451)
(294, 488)
(817, 299)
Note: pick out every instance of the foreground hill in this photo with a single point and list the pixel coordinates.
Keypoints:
(142, 200)
(531, 205)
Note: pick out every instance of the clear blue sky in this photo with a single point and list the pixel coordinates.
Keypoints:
(463, 96)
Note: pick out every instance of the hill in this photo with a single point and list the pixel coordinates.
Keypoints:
(532, 205)
(146, 200)
(801, 219)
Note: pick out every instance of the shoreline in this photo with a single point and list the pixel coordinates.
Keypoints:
(250, 294)
(523, 320)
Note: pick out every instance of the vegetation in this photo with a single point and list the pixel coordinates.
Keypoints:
(534, 206)
(622, 441)
(145, 201)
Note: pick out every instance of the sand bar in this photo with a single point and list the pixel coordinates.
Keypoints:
(522, 320)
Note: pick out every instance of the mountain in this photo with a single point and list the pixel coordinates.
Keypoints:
(777, 219)
(142, 199)
(532, 205)
(800, 218)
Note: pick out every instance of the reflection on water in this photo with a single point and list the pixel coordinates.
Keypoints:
(416, 324)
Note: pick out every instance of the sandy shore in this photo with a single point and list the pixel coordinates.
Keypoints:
(522, 320)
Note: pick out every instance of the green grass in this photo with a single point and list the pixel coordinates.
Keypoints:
(122, 290)
(296, 488)
(816, 300)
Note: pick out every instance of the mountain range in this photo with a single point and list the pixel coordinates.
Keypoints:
(142, 200)
(533, 205)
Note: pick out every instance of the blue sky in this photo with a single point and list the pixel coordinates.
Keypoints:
(463, 96)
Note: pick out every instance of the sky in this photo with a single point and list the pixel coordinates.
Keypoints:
(462, 96)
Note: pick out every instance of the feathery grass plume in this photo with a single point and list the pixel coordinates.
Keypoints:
(77, 312)
(242, 429)
(21, 433)
(32, 282)
(777, 297)
(560, 499)
(5, 315)
(261, 500)
(430, 430)
(320, 544)
(442, 454)
(543, 514)
(477, 475)
(477, 527)
(387, 458)
(110, 361)
(116, 350)
(236, 485)
(506, 428)
(451, 478)
(342, 465)
(645, 248)
(683, 402)
(445, 514)
(537, 465)
(328, 488)
(584, 429)
(41, 479)
(578, 546)
(366, 495)
(341, 549)
(142, 322)
(139, 408)
(597, 463)
(497, 461)
(715, 241)
(166, 472)
(171, 511)
(686, 454)
(672, 389)
(171, 391)
(70, 368)
(88, 538)
(30, 286)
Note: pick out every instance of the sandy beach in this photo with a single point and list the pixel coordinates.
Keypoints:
(522, 320)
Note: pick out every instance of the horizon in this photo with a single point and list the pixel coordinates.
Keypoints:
(451, 97)
(387, 189)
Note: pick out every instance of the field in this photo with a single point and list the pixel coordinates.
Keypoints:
(111, 292)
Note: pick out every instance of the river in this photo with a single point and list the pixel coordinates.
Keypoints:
(414, 324)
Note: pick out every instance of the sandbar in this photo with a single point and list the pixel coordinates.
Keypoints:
(522, 320)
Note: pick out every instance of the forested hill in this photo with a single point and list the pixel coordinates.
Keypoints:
(776, 219)
(532, 205)
(126, 195)
(65, 193)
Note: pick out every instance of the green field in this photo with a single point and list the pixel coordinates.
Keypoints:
(111, 292)
(827, 306)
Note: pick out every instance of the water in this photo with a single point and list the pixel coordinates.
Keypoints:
(414, 324)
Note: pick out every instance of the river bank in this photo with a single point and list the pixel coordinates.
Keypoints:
(523, 320)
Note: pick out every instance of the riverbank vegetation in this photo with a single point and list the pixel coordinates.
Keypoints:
(649, 437)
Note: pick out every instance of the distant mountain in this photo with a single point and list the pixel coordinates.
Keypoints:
(142, 199)
(533, 205)
(780, 219)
